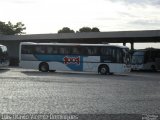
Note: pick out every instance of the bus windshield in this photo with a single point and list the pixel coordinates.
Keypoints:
(138, 58)
(146, 59)
(127, 56)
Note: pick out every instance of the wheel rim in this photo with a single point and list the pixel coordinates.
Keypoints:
(103, 70)
(44, 67)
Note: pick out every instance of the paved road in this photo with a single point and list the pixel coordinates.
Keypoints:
(29, 91)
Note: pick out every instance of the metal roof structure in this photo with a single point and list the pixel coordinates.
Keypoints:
(90, 37)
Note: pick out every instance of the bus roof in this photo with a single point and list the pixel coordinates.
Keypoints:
(147, 49)
(1, 45)
(70, 44)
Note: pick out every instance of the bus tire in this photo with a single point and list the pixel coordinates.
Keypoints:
(44, 67)
(103, 69)
(52, 70)
(153, 68)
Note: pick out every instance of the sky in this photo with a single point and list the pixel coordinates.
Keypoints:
(49, 16)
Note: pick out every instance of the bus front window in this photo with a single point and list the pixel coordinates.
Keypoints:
(126, 56)
(138, 58)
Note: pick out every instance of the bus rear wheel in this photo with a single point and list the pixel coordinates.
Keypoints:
(103, 70)
(44, 67)
(153, 68)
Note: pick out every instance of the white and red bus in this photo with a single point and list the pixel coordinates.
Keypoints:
(101, 58)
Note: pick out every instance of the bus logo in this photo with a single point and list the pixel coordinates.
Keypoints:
(71, 60)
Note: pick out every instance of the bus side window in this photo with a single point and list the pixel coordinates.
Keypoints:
(75, 51)
(49, 50)
(67, 50)
(61, 50)
(54, 50)
(93, 51)
(114, 54)
(27, 49)
(119, 56)
(40, 50)
(106, 54)
(105, 51)
(84, 51)
(89, 51)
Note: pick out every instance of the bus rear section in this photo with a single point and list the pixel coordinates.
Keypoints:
(4, 59)
(100, 58)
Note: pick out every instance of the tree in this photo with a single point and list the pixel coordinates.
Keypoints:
(85, 29)
(10, 29)
(66, 30)
(95, 29)
(88, 29)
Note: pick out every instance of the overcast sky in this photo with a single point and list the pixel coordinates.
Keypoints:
(48, 16)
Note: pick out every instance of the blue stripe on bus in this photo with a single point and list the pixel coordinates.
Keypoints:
(74, 62)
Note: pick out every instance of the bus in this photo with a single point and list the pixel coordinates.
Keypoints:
(4, 59)
(101, 58)
(146, 59)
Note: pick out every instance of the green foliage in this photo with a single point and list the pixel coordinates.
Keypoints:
(88, 29)
(66, 30)
(10, 29)
(83, 29)
(95, 29)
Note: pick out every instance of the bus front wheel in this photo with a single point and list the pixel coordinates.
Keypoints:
(44, 67)
(103, 69)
